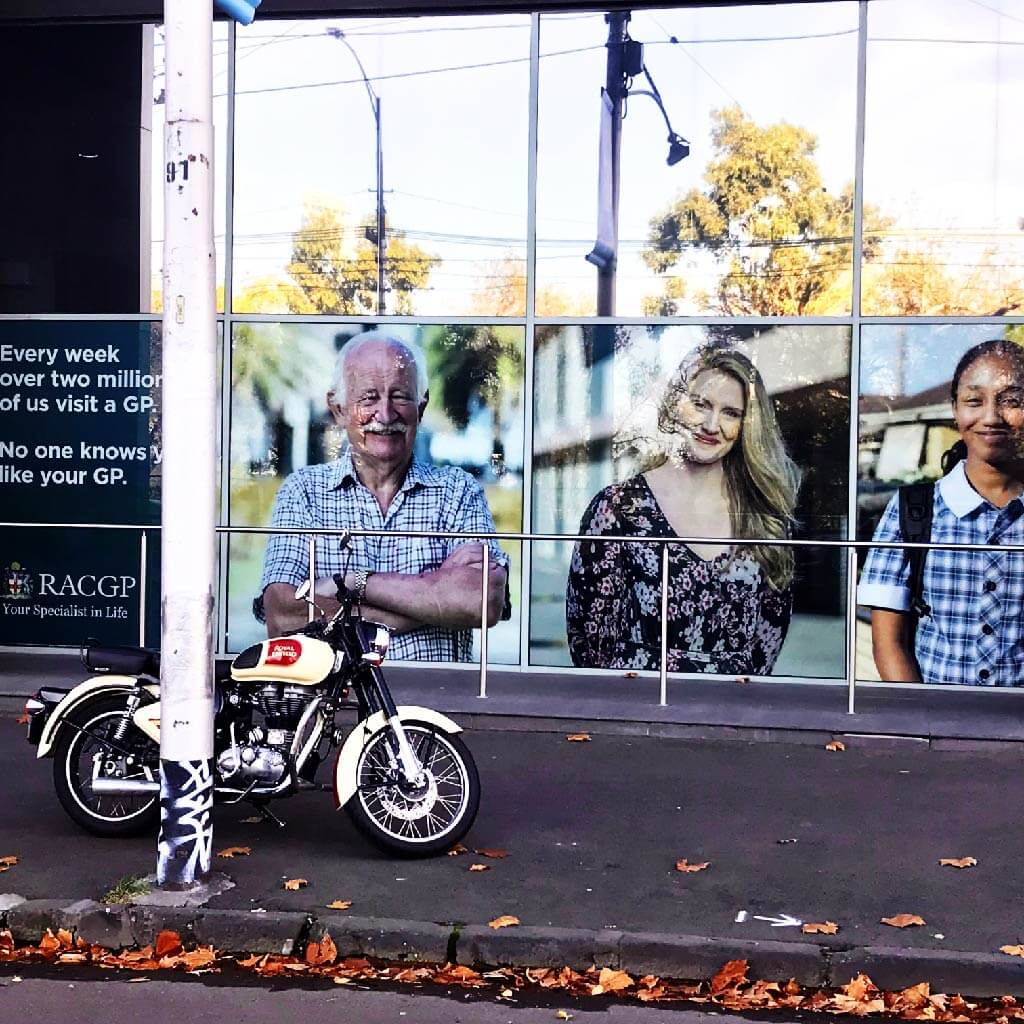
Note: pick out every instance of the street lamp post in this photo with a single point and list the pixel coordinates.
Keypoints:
(337, 33)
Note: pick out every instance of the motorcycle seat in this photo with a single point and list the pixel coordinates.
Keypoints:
(129, 661)
(138, 661)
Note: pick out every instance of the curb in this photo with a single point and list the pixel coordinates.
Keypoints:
(691, 957)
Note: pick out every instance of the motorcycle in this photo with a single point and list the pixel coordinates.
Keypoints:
(403, 774)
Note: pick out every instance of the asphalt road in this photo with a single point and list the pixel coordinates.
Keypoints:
(593, 831)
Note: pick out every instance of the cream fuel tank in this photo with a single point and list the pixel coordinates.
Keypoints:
(290, 659)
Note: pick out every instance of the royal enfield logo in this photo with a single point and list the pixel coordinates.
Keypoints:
(17, 583)
(283, 652)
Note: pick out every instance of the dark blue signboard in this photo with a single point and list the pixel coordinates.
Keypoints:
(80, 442)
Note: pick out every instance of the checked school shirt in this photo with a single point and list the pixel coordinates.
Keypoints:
(331, 496)
(975, 633)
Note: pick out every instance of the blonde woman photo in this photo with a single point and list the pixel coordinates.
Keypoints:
(723, 474)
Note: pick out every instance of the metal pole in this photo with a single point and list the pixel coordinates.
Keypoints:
(615, 87)
(142, 589)
(381, 245)
(858, 254)
(311, 608)
(483, 620)
(663, 695)
(189, 464)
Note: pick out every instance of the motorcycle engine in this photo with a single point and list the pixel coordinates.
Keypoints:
(262, 755)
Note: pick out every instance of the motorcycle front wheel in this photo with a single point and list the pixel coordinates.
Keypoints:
(413, 822)
(87, 740)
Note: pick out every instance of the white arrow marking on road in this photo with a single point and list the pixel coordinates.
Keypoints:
(785, 921)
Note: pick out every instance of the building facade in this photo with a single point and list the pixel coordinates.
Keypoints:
(849, 217)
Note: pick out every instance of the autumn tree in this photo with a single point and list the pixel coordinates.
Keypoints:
(335, 267)
(502, 292)
(918, 282)
(780, 238)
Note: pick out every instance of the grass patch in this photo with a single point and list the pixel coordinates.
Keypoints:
(126, 889)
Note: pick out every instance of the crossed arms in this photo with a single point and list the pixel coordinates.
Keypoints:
(450, 596)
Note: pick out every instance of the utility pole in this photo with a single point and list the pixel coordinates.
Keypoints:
(606, 259)
(189, 463)
(381, 247)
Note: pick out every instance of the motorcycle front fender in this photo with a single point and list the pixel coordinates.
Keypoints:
(348, 756)
(83, 691)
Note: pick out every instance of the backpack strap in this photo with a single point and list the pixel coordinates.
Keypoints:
(916, 502)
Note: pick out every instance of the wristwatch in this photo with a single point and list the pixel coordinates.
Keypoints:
(359, 581)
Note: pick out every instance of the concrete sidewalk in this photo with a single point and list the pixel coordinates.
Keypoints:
(593, 831)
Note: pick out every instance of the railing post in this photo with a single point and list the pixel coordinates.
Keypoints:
(483, 618)
(663, 692)
(851, 631)
(142, 589)
(311, 607)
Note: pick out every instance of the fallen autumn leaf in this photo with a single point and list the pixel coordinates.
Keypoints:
(339, 905)
(611, 981)
(824, 928)
(835, 745)
(493, 854)
(903, 920)
(479, 867)
(958, 862)
(322, 952)
(296, 883)
(235, 851)
(1012, 950)
(457, 849)
(505, 921)
(578, 737)
(684, 866)
(167, 944)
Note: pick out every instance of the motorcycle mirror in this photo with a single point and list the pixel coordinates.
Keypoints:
(302, 591)
(343, 540)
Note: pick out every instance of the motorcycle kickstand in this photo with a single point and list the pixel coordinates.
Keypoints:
(268, 815)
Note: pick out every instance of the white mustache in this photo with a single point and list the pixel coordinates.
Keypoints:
(385, 428)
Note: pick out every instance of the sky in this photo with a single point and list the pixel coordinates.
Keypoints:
(941, 155)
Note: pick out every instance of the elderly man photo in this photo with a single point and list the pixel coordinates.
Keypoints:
(427, 590)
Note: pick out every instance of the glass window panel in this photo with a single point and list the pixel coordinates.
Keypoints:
(444, 103)
(152, 212)
(84, 233)
(905, 421)
(598, 396)
(943, 168)
(280, 423)
(757, 220)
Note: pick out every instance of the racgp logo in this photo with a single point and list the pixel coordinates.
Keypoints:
(16, 582)
(283, 652)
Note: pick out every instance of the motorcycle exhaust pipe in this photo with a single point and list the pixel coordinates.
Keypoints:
(126, 787)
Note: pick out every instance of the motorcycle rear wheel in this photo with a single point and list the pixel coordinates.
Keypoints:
(84, 737)
(405, 822)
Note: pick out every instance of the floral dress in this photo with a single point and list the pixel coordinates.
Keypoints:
(723, 614)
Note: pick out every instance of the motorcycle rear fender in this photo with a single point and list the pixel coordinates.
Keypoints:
(84, 691)
(348, 756)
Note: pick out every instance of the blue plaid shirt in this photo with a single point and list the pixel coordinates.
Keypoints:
(975, 633)
(331, 496)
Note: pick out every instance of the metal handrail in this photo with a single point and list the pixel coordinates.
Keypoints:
(663, 542)
(788, 542)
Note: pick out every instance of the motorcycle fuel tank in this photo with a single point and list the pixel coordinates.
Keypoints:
(293, 659)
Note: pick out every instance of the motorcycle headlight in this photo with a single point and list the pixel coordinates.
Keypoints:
(381, 640)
